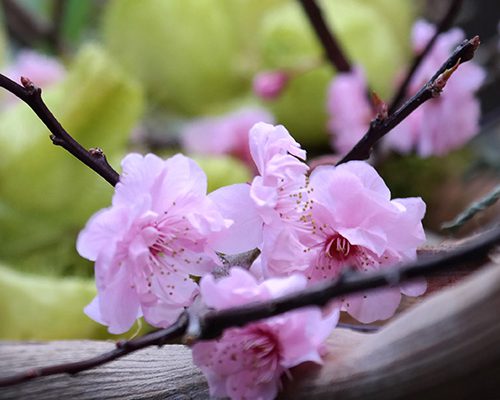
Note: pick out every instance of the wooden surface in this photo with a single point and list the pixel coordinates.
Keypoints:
(446, 347)
(166, 373)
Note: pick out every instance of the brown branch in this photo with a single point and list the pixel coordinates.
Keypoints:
(443, 25)
(32, 96)
(27, 28)
(380, 127)
(211, 324)
(158, 338)
(214, 322)
(331, 47)
(55, 34)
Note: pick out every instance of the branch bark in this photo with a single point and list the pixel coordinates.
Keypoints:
(333, 50)
(94, 158)
(199, 323)
(446, 347)
(443, 25)
(380, 127)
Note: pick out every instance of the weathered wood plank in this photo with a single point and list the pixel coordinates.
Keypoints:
(166, 373)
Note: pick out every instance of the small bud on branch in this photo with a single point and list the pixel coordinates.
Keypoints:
(32, 96)
(378, 129)
(444, 25)
(380, 107)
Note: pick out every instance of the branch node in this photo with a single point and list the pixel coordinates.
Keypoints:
(57, 141)
(26, 82)
(96, 152)
(30, 87)
(121, 344)
(441, 81)
(380, 107)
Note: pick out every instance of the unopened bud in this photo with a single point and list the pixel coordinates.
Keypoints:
(380, 107)
(442, 79)
(270, 84)
(26, 82)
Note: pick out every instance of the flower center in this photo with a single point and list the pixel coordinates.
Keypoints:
(338, 248)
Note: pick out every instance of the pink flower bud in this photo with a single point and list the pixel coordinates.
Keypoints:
(269, 84)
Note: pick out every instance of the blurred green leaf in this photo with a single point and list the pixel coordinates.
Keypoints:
(223, 171)
(76, 19)
(44, 308)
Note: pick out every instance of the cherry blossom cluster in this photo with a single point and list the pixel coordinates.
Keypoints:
(163, 233)
(437, 127)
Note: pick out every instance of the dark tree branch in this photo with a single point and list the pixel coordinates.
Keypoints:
(243, 260)
(55, 34)
(380, 127)
(23, 25)
(215, 322)
(211, 324)
(32, 96)
(29, 29)
(158, 338)
(331, 47)
(443, 25)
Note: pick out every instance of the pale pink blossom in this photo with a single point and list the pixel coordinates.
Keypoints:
(447, 122)
(272, 203)
(355, 224)
(225, 134)
(248, 362)
(349, 109)
(150, 241)
(42, 70)
(318, 226)
(270, 84)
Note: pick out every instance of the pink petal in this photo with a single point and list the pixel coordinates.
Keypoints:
(119, 304)
(138, 176)
(234, 203)
(414, 288)
(373, 305)
(102, 231)
(236, 289)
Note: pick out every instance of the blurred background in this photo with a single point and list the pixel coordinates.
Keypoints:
(179, 75)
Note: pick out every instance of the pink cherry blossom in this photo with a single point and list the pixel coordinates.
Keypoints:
(42, 70)
(148, 243)
(225, 134)
(446, 122)
(355, 224)
(272, 203)
(270, 84)
(248, 362)
(349, 109)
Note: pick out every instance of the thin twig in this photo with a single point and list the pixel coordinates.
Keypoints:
(158, 338)
(443, 25)
(243, 260)
(215, 322)
(32, 96)
(331, 46)
(58, 13)
(476, 207)
(211, 324)
(380, 127)
(23, 25)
